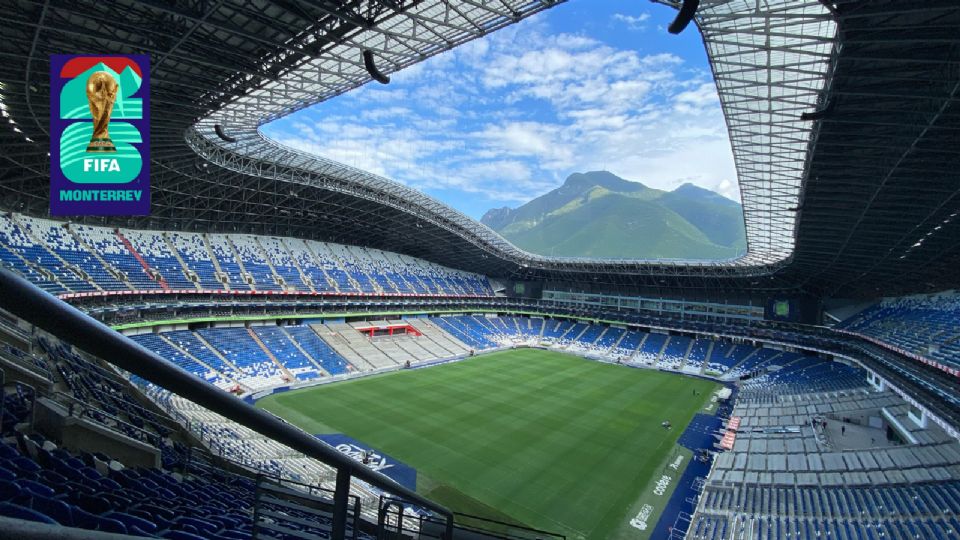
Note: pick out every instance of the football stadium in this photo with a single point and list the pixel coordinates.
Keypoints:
(266, 342)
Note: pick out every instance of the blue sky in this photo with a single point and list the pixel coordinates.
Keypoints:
(587, 85)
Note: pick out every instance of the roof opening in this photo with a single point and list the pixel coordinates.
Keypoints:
(585, 130)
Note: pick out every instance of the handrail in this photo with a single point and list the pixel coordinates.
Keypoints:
(513, 527)
(43, 310)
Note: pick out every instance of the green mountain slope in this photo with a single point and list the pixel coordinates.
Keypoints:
(717, 216)
(598, 214)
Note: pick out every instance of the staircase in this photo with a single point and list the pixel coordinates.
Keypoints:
(646, 336)
(745, 358)
(415, 275)
(183, 265)
(143, 262)
(582, 332)
(353, 281)
(304, 352)
(617, 343)
(422, 283)
(413, 290)
(213, 259)
(332, 283)
(296, 264)
(195, 359)
(366, 270)
(563, 336)
(706, 359)
(277, 278)
(598, 338)
(686, 354)
(243, 269)
(662, 348)
(439, 337)
(216, 352)
(120, 276)
(637, 348)
(263, 346)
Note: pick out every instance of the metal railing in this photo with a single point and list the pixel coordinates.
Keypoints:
(394, 521)
(27, 301)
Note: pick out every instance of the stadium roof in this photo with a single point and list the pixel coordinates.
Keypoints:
(855, 197)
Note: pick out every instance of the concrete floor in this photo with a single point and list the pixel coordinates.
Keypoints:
(856, 437)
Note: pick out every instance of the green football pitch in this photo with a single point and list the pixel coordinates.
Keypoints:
(534, 437)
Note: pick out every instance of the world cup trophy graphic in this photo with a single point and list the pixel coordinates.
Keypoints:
(101, 94)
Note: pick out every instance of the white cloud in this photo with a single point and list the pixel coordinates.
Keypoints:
(633, 22)
(507, 118)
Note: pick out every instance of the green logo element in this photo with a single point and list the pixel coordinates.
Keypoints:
(82, 166)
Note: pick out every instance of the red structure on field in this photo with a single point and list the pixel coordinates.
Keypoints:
(388, 329)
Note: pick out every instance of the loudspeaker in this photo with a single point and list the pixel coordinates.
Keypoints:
(368, 62)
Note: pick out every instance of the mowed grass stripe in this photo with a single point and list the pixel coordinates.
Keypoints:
(551, 440)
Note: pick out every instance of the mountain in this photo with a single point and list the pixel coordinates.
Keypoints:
(598, 214)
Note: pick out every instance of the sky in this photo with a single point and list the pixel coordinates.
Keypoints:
(587, 85)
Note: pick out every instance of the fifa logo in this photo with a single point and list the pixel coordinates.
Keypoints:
(99, 155)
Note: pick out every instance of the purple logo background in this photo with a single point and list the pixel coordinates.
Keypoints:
(58, 181)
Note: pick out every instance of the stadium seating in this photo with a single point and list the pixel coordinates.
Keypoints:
(674, 352)
(75, 258)
(194, 254)
(652, 346)
(698, 355)
(754, 362)
(222, 251)
(81, 271)
(187, 341)
(153, 248)
(293, 358)
(226, 357)
(555, 329)
(163, 347)
(263, 356)
(590, 334)
(805, 464)
(239, 347)
(628, 344)
(188, 495)
(44, 483)
(677, 353)
(610, 337)
(109, 247)
(255, 264)
(283, 264)
(781, 384)
(318, 350)
(803, 374)
(302, 256)
(338, 276)
(726, 355)
(924, 325)
(468, 330)
(17, 251)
